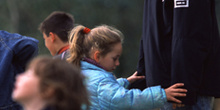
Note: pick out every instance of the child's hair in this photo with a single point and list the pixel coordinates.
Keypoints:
(59, 23)
(66, 81)
(101, 38)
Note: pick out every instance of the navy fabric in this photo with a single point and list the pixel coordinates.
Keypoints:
(196, 50)
(181, 44)
(49, 108)
(155, 45)
(15, 52)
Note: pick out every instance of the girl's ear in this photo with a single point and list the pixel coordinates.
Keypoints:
(97, 56)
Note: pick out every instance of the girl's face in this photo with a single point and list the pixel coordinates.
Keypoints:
(111, 60)
(26, 87)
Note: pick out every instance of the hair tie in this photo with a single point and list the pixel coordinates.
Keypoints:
(86, 30)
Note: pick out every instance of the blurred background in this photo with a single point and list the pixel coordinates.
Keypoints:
(24, 17)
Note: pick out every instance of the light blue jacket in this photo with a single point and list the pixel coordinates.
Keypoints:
(107, 93)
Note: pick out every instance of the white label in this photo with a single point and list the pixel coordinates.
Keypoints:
(181, 3)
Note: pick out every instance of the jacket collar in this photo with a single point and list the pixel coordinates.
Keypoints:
(63, 49)
(89, 66)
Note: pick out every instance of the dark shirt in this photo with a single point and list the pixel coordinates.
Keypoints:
(49, 108)
(181, 44)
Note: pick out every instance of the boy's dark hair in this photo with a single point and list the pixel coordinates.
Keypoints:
(59, 23)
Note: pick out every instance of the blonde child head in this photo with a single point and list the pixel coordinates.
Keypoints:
(84, 44)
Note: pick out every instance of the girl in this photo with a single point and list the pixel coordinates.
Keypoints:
(50, 84)
(97, 52)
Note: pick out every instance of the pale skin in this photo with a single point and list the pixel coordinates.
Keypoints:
(27, 91)
(134, 77)
(53, 43)
(174, 91)
(113, 61)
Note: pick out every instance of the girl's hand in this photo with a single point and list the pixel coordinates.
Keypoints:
(174, 91)
(134, 77)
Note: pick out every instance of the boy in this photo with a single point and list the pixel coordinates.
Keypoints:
(55, 30)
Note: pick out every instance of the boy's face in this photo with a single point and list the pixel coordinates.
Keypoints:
(49, 44)
(26, 87)
(111, 60)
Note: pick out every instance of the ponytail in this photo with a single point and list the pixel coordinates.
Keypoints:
(76, 39)
(83, 42)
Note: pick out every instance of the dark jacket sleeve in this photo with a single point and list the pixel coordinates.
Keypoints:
(140, 84)
(24, 50)
(141, 62)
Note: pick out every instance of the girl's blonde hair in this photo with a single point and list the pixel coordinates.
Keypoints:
(101, 38)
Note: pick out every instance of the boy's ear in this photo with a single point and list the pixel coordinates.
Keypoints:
(52, 35)
(97, 56)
